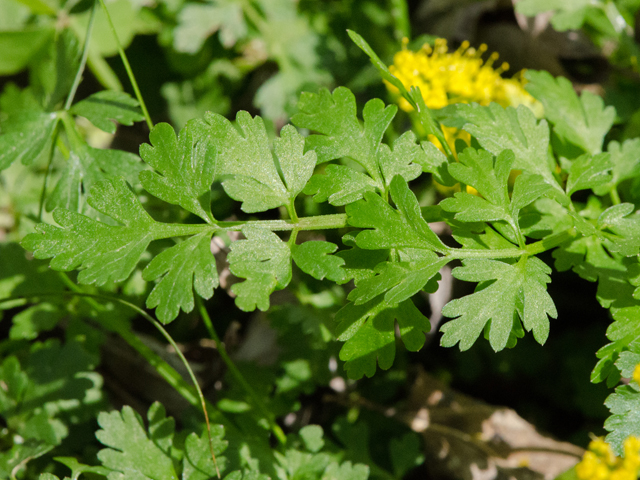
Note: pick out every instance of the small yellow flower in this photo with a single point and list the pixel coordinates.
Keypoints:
(600, 463)
(636, 374)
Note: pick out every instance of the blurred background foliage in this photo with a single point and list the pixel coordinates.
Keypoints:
(258, 55)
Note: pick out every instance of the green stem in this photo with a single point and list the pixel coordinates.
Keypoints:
(320, 222)
(83, 61)
(552, 241)
(615, 197)
(43, 193)
(275, 428)
(400, 15)
(127, 67)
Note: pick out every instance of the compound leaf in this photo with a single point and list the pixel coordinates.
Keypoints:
(407, 158)
(624, 159)
(392, 228)
(518, 289)
(333, 115)
(185, 168)
(314, 258)
(369, 333)
(624, 421)
(109, 106)
(185, 267)
(103, 252)
(625, 225)
(265, 261)
(582, 121)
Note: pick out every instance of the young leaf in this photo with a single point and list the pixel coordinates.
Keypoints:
(589, 171)
(339, 185)
(265, 261)
(520, 288)
(404, 227)
(625, 163)
(314, 258)
(582, 121)
(185, 166)
(24, 136)
(132, 451)
(623, 331)
(619, 220)
(369, 333)
(359, 263)
(499, 129)
(106, 107)
(105, 253)
(185, 267)
(334, 117)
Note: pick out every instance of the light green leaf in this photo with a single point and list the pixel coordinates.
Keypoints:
(588, 171)
(24, 136)
(265, 261)
(104, 108)
(521, 290)
(582, 121)
(314, 258)
(391, 228)
(185, 267)
(626, 164)
(197, 22)
(198, 464)
(296, 166)
(132, 451)
(625, 225)
(185, 167)
(406, 159)
(339, 185)
(369, 333)
(499, 129)
(334, 117)
(624, 421)
(19, 46)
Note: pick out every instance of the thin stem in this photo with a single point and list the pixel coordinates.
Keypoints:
(615, 197)
(43, 192)
(400, 15)
(127, 67)
(320, 222)
(83, 61)
(275, 428)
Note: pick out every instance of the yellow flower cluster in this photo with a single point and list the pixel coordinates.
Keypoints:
(600, 463)
(636, 374)
(460, 77)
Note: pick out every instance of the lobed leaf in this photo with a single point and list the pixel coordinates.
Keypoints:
(339, 185)
(106, 107)
(313, 257)
(521, 290)
(587, 172)
(24, 136)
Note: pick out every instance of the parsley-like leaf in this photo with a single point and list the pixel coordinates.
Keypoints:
(313, 257)
(583, 121)
(369, 333)
(624, 421)
(625, 163)
(185, 267)
(339, 185)
(106, 107)
(520, 288)
(391, 228)
(265, 261)
(185, 169)
(24, 136)
(589, 171)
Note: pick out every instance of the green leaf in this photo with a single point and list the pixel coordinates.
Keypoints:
(104, 108)
(185, 267)
(498, 129)
(625, 225)
(312, 435)
(103, 252)
(198, 464)
(24, 136)
(391, 228)
(20, 46)
(588, 171)
(78, 468)
(132, 451)
(622, 332)
(625, 164)
(521, 290)
(624, 421)
(339, 186)
(31, 321)
(400, 280)
(185, 168)
(313, 257)
(407, 159)
(369, 333)
(265, 261)
(248, 158)
(87, 166)
(582, 121)
(359, 263)
(334, 117)
(405, 454)
(197, 22)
